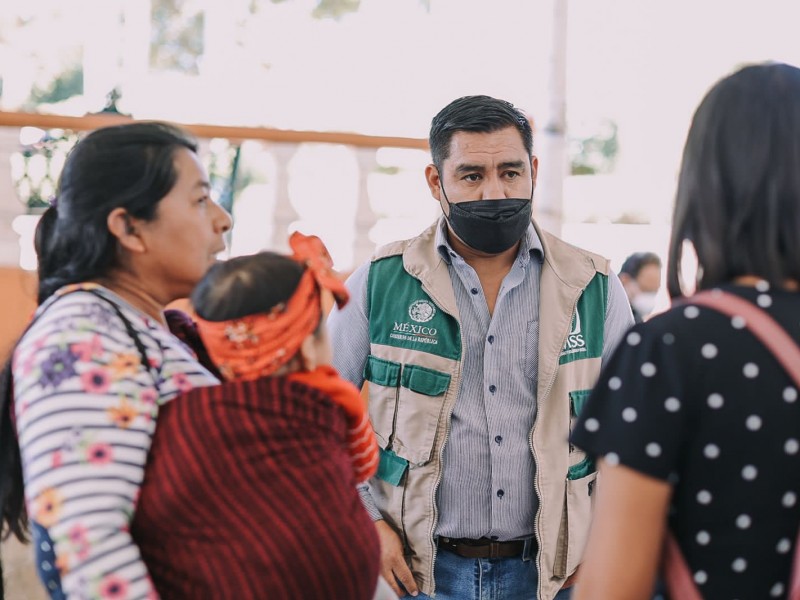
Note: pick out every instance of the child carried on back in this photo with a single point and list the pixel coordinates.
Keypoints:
(264, 466)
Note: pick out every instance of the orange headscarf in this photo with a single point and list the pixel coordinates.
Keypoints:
(258, 345)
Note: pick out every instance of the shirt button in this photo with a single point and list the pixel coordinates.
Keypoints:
(474, 291)
(493, 388)
(498, 438)
(500, 493)
(491, 339)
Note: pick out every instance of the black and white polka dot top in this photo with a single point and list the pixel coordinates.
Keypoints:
(691, 397)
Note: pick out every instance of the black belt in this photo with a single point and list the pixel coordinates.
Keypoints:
(483, 547)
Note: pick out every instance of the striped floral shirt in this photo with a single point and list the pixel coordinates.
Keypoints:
(85, 410)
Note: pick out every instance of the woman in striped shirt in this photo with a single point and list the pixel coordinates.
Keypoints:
(132, 229)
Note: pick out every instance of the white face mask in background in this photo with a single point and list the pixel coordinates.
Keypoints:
(644, 303)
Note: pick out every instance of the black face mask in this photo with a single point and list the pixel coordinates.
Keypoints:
(490, 226)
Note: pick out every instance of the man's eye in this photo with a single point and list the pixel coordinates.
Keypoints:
(512, 174)
(472, 177)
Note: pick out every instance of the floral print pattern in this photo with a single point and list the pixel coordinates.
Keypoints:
(58, 367)
(85, 402)
(48, 507)
(123, 414)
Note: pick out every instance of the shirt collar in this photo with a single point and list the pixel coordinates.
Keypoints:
(530, 247)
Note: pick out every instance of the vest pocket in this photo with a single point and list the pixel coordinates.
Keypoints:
(420, 403)
(580, 465)
(391, 467)
(384, 386)
(578, 507)
(405, 402)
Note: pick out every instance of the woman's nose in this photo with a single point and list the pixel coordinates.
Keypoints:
(223, 219)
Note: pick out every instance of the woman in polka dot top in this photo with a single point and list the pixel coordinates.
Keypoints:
(695, 424)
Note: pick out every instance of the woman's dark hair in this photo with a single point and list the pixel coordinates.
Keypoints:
(126, 166)
(246, 285)
(477, 114)
(129, 166)
(738, 198)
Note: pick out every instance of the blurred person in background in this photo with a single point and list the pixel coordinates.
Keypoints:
(641, 277)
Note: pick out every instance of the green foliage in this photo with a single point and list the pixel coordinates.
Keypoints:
(392, 170)
(334, 9)
(595, 153)
(176, 43)
(65, 85)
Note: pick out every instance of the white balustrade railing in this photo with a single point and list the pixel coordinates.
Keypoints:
(335, 188)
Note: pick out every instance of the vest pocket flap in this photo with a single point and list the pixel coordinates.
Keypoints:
(425, 381)
(381, 371)
(577, 400)
(391, 467)
(581, 469)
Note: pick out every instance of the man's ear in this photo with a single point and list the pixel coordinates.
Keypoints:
(432, 177)
(123, 227)
(534, 169)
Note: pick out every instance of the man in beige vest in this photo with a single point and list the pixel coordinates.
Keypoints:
(480, 339)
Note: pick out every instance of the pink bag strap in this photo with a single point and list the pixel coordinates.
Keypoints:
(677, 576)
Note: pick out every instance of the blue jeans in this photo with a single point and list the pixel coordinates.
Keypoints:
(460, 578)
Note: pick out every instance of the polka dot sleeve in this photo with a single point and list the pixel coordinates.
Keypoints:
(637, 414)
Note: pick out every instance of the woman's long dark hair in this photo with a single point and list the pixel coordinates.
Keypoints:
(738, 199)
(129, 166)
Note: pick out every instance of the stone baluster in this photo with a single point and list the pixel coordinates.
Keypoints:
(10, 205)
(285, 213)
(365, 216)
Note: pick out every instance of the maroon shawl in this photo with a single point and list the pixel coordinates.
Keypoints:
(249, 493)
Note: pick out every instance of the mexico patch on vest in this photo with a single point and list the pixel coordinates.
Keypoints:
(585, 338)
(401, 314)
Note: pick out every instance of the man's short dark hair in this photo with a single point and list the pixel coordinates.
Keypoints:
(637, 261)
(478, 114)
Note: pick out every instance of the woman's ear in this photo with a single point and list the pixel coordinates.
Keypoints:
(123, 227)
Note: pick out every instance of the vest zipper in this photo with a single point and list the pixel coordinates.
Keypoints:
(435, 522)
(439, 478)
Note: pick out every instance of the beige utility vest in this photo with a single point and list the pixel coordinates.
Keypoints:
(414, 372)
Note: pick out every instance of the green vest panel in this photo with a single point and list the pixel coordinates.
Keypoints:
(401, 314)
